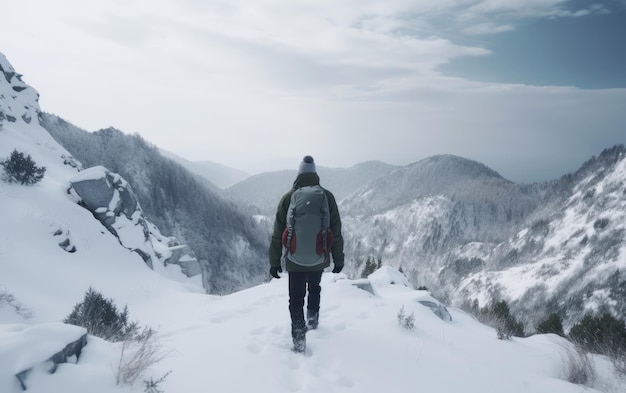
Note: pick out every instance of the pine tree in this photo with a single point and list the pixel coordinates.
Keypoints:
(370, 267)
(552, 324)
(506, 325)
(604, 334)
(101, 318)
(22, 169)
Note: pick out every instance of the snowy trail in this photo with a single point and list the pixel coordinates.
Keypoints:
(242, 342)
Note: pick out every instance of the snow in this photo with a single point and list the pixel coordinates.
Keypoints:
(93, 173)
(239, 342)
(28, 345)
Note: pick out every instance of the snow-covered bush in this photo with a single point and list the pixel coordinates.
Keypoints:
(407, 322)
(101, 318)
(577, 365)
(22, 169)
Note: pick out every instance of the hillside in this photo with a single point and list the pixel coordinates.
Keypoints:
(570, 259)
(460, 229)
(180, 203)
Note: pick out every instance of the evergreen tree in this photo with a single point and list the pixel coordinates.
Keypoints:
(101, 318)
(22, 169)
(552, 324)
(604, 334)
(506, 325)
(370, 267)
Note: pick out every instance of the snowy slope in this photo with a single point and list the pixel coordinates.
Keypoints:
(179, 202)
(33, 217)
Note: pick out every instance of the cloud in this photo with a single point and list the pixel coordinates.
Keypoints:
(487, 28)
(255, 84)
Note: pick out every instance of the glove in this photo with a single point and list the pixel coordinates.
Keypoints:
(337, 268)
(274, 270)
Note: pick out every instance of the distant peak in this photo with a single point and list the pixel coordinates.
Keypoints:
(455, 164)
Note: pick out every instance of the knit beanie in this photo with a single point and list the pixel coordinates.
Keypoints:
(307, 165)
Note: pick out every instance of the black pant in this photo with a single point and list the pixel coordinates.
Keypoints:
(298, 283)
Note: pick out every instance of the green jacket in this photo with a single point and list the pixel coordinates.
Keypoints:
(280, 223)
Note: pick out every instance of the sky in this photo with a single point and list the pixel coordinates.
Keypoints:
(530, 88)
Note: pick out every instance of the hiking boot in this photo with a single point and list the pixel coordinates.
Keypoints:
(299, 344)
(312, 319)
(299, 339)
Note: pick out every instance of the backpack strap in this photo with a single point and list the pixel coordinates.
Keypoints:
(325, 224)
(288, 232)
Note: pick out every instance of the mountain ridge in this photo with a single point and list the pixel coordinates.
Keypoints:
(179, 202)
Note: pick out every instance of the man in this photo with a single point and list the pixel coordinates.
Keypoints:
(303, 274)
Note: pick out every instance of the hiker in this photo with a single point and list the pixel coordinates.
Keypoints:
(305, 259)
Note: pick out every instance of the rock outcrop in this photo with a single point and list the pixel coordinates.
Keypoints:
(21, 101)
(112, 201)
(41, 347)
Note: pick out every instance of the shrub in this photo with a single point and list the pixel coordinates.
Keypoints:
(7, 298)
(139, 354)
(577, 365)
(552, 324)
(101, 318)
(152, 386)
(22, 169)
(407, 322)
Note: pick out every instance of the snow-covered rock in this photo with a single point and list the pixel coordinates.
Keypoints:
(391, 283)
(19, 101)
(24, 348)
(112, 201)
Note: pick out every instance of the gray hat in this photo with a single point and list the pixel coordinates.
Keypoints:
(307, 165)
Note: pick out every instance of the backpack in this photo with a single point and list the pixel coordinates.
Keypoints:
(307, 238)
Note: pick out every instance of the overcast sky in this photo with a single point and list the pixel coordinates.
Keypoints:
(531, 88)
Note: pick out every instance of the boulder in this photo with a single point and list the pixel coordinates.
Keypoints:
(113, 202)
(40, 347)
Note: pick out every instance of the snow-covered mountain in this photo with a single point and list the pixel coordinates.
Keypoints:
(180, 203)
(264, 190)
(569, 258)
(460, 229)
(51, 214)
(53, 248)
